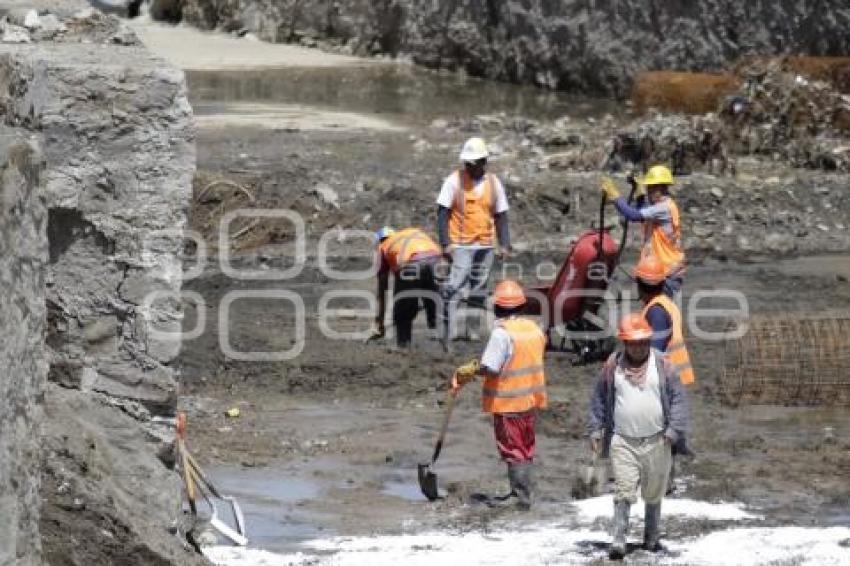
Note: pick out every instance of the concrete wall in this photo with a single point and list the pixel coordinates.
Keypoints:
(23, 256)
(584, 45)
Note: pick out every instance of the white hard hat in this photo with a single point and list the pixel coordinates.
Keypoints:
(473, 150)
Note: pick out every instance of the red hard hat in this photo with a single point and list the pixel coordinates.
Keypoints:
(634, 328)
(650, 270)
(509, 295)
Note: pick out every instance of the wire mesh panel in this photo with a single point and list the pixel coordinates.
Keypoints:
(789, 360)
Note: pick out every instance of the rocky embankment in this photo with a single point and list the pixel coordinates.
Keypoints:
(91, 263)
(581, 45)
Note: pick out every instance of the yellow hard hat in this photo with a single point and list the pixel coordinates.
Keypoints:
(657, 175)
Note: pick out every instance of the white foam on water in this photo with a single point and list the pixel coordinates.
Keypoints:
(566, 543)
(744, 547)
(603, 507)
(549, 544)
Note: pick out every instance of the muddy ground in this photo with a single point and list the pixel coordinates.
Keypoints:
(334, 435)
(328, 442)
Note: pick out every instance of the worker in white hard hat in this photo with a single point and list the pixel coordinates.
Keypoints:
(472, 216)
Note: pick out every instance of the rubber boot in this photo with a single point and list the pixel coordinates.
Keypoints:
(651, 524)
(500, 500)
(621, 529)
(522, 485)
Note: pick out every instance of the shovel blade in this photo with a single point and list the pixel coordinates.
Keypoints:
(428, 482)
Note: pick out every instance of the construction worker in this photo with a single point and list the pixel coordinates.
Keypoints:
(472, 212)
(637, 412)
(663, 316)
(665, 319)
(411, 256)
(662, 230)
(514, 386)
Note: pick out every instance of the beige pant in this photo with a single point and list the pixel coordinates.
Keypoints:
(644, 462)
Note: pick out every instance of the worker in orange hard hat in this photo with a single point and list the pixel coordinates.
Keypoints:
(514, 386)
(665, 319)
(637, 412)
(472, 217)
(662, 227)
(411, 256)
(663, 315)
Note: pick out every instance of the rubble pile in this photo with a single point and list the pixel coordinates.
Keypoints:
(29, 25)
(789, 117)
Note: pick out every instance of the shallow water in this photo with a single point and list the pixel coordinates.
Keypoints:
(266, 497)
(402, 93)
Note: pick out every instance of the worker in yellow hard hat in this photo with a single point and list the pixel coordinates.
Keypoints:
(472, 218)
(662, 233)
(514, 386)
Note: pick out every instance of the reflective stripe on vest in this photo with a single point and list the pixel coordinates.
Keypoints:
(677, 351)
(666, 247)
(521, 385)
(402, 246)
(471, 218)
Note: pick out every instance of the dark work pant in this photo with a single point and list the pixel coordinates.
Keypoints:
(415, 284)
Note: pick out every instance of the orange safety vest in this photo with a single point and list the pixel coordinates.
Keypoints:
(405, 245)
(667, 248)
(471, 219)
(521, 385)
(677, 352)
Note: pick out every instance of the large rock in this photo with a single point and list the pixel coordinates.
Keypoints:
(23, 256)
(96, 165)
(595, 45)
(118, 142)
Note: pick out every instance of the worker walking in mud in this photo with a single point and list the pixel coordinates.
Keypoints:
(472, 212)
(637, 412)
(411, 256)
(662, 228)
(514, 387)
(665, 319)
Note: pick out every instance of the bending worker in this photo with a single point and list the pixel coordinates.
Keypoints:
(637, 412)
(472, 207)
(662, 229)
(411, 256)
(514, 386)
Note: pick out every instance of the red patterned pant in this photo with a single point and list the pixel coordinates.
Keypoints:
(515, 436)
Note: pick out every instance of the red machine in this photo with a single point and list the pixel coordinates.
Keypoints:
(575, 296)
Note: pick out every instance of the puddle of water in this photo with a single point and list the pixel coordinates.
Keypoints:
(401, 92)
(268, 500)
(408, 491)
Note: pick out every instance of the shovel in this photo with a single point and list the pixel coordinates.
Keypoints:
(589, 483)
(195, 480)
(427, 478)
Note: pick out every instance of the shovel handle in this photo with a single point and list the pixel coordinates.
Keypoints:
(450, 404)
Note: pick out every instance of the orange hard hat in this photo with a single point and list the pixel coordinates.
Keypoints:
(508, 295)
(634, 328)
(650, 270)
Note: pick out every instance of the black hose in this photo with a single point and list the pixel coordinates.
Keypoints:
(630, 178)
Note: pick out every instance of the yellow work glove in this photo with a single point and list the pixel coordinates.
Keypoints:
(464, 374)
(640, 191)
(609, 189)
